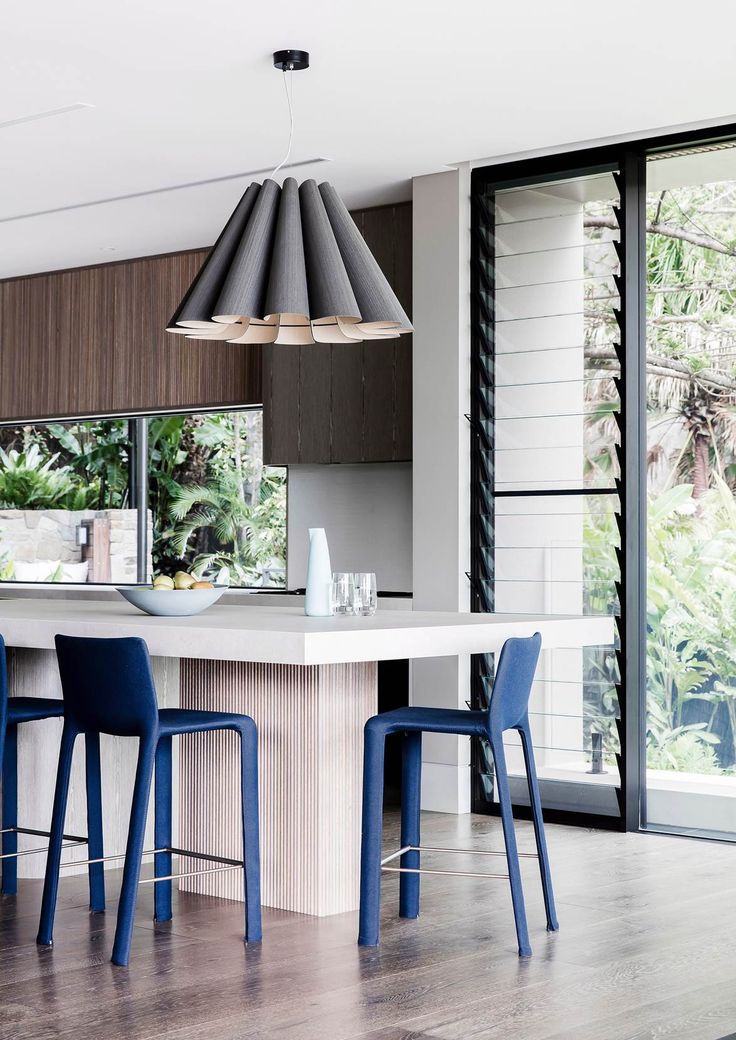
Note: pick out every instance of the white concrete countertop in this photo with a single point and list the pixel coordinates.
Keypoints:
(283, 635)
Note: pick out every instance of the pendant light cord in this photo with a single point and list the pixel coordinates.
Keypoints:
(289, 90)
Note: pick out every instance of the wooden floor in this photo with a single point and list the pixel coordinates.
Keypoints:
(647, 948)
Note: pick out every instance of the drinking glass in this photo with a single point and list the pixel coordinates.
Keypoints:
(366, 594)
(343, 593)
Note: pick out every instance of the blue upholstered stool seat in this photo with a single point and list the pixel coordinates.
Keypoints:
(175, 721)
(33, 709)
(508, 709)
(431, 720)
(108, 688)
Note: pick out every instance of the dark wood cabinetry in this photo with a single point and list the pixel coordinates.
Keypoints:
(347, 403)
(91, 341)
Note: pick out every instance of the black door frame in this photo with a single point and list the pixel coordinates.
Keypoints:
(627, 161)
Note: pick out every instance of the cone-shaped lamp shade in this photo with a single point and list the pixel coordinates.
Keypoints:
(244, 288)
(290, 267)
(380, 311)
(198, 306)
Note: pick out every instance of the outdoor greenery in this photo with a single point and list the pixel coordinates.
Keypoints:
(64, 466)
(212, 501)
(691, 386)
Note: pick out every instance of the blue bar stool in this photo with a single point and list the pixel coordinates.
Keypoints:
(14, 711)
(108, 688)
(508, 709)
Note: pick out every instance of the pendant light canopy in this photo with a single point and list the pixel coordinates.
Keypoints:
(290, 267)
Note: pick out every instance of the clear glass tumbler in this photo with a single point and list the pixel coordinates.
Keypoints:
(366, 594)
(343, 593)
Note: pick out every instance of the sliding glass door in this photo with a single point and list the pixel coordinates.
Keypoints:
(691, 484)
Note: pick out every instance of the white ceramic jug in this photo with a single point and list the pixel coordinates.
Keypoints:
(318, 600)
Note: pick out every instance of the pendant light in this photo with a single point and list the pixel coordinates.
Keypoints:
(290, 267)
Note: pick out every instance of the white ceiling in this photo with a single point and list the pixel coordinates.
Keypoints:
(184, 90)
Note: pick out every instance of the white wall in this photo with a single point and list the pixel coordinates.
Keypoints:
(366, 511)
(441, 396)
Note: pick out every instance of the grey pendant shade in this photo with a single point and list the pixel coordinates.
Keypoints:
(290, 267)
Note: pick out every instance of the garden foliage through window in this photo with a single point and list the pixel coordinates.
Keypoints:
(67, 513)
(691, 478)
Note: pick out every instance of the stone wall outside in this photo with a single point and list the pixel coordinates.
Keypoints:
(41, 536)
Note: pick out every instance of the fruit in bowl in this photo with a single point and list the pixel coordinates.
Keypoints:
(200, 595)
(181, 582)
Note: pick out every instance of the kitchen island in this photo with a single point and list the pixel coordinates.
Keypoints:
(309, 683)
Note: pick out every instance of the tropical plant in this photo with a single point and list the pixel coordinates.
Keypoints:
(96, 454)
(686, 749)
(691, 329)
(249, 538)
(691, 617)
(213, 502)
(168, 442)
(601, 573)
(29, 480)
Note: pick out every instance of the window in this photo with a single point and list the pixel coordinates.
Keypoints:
(649, 464)
(75, 508)
(548, 495)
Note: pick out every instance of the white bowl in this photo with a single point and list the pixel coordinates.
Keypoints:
(173, 603)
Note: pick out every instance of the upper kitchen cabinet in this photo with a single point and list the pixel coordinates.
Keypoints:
(91, 341)
(347, 403)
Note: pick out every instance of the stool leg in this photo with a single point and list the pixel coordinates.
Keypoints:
(94, 822)
(411, 796)
(134, 852)
(10, 812)
(536, 803)
(251, 839)
(370, 849)
(51, 880)
(509, 837)
(162, 830)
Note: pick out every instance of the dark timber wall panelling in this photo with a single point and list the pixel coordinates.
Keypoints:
(92, 341)
(352, 402)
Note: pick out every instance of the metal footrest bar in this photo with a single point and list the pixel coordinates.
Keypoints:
(447, 873)
(227, 863)
(205, 856)
(461, 852)
(69, 841)
(188, 873)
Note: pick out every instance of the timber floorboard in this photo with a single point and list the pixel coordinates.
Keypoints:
(647, 949)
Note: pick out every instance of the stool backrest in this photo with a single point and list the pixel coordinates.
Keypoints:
(512, 685)
(107, 685)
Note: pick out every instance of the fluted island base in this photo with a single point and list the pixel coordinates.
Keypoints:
(310, 722)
